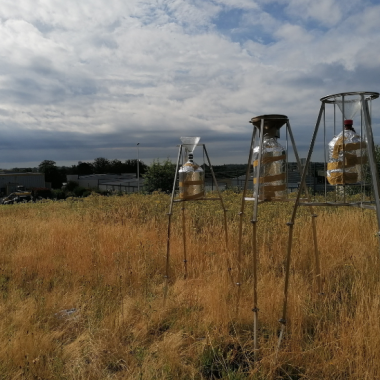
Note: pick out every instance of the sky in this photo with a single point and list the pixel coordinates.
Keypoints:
(87, 79)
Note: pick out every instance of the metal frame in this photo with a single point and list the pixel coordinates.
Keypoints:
(331, 99)
(170, 213)
(254, 220)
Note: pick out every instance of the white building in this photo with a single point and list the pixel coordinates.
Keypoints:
(10, 181)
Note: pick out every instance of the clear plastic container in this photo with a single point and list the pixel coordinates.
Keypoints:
(346, 159)
(191, 175)
(272, 171)
(191, 181)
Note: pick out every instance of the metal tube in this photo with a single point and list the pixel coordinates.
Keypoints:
(344, 153)
(219, 194)
(184, 240)
(335, 192)
(255, 303)
(254, 242)
(324, 151)
(291, 223)
(313, 216)
(222, 204)
(362, 174)
(169, 227)
(257, 184)
(304, 171)
(372, 160)
(167, 259)
(287, 160)
(138, 168)
(241, 214)
(334, 118)
(287, 273)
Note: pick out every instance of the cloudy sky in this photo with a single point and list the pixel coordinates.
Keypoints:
(81, 79)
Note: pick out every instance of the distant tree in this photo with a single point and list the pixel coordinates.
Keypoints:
(22, 170)
(116, 166)
(101, 165)
(52, 173)
(160, 176)
(85, 168)
(45, 165)
(131, 167)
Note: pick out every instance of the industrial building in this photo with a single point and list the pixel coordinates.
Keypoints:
(10, 181)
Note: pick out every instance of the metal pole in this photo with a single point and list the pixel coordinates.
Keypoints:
(223, 207)
(241, 213)
(169, 226)
(255, 309)
(218, 191)
(184, 240)
(291, 224)
(344, 153)
(335, 192)
(324, 152)
(362, 174)
(138, 168)
(257, 184)
(313, 220)
(372, 159)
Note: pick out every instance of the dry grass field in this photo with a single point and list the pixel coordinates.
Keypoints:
(105, 258)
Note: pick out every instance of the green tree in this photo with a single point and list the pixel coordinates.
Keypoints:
(160, 176)
(52, 173)
(46, 165)
(21, 170)
(101, 165)
(130, 166)
(84, 168)
(116, 166)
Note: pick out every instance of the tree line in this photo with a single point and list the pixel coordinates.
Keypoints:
(158, 176)
(57, 174)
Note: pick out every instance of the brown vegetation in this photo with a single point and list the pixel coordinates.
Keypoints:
(105, 257)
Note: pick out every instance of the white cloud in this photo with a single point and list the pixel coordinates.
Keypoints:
(293, 33)
(242, 4)
(141, 66)
(326, 12)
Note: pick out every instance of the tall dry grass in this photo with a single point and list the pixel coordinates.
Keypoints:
(105, 257)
